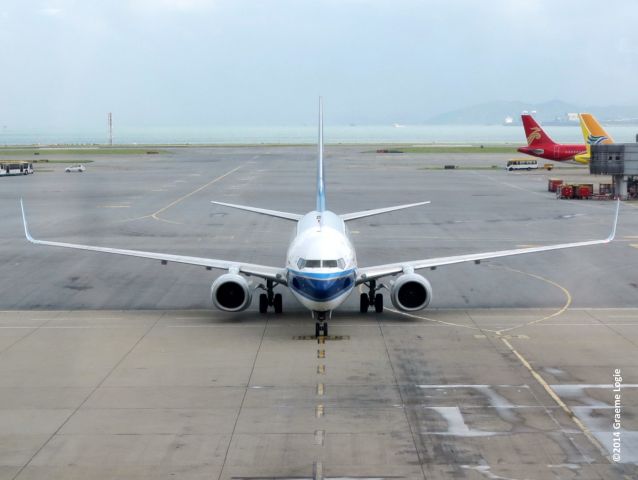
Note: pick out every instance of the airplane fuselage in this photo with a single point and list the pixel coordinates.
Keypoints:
(321, 264)
(556, 152)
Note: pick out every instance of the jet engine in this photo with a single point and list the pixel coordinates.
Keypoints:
(231, 293)
(410, 292)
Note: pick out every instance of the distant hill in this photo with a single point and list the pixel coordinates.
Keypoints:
(494, 113)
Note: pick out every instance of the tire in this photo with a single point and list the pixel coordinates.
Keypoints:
(278, 303)
(364, 303)
(378, 303)
(317, 330)
(263, 303)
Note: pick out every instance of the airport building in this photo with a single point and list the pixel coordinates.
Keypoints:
(620, 160)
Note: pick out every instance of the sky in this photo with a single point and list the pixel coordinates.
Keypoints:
(66, 63)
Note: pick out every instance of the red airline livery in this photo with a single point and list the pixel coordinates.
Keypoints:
(540, 145)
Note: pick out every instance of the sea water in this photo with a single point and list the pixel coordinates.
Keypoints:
(305, 134)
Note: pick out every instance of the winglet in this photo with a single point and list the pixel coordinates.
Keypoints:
(24, 222)
(613, 230)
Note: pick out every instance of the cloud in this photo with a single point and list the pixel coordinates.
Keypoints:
(50, 11)
(172, 5)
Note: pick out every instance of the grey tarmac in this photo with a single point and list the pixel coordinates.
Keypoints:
(120, 368)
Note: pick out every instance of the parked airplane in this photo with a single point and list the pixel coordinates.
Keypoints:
(539, 144)
(321, 267)
(594, 134)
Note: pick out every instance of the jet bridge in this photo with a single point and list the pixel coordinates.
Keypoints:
(620, 160)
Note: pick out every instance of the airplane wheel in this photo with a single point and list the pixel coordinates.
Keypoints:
(278, 303)
(364, 303)
(263, 303)
(378, 303)
(317, 330)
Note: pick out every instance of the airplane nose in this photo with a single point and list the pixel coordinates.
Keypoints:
(321, 290)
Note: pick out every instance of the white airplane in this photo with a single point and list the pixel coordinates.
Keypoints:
(321, 266)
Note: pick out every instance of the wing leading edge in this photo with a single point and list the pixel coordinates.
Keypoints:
(262, 271)
(371, 273)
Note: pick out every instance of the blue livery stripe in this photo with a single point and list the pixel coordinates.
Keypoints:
(321, 289)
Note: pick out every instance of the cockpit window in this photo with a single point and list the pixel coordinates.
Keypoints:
(304, 263)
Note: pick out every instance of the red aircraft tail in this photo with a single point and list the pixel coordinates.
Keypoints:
(536, 136)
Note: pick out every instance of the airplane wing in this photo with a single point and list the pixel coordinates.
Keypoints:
(262, 271)
(371, 273)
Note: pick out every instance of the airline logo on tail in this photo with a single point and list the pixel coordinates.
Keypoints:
(539, 144)
(594, 134)
(596, 139)
(534, 135)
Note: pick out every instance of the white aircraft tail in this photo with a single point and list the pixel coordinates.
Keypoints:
(321, 194)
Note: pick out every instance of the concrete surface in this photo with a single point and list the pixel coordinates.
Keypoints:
(120, 368)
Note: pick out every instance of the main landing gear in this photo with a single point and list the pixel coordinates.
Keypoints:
(270, 298)
(321, 327)
(371, 299)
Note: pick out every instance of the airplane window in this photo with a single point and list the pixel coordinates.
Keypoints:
(342, 263)
(301, 263)
(329, 263)
(312, 264)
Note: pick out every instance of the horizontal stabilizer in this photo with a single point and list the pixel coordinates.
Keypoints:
(263, 211)
(377, 211)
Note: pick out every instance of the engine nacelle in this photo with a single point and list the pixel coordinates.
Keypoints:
(231, 293)
(410, 292)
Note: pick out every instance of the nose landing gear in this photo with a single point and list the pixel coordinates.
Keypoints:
(321, 327)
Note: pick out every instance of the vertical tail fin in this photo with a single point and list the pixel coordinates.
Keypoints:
(321, 194)
(584, 157)
(596, 134)
(536, 136)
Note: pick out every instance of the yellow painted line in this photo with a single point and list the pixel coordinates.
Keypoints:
(560, 311)
(527, 245)
(321, 389)
(449, 324)
(319, 410)
(321, 369)
(199, 189)
(321, 354)
(630, 236)
(557, 399)
(321, 340)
